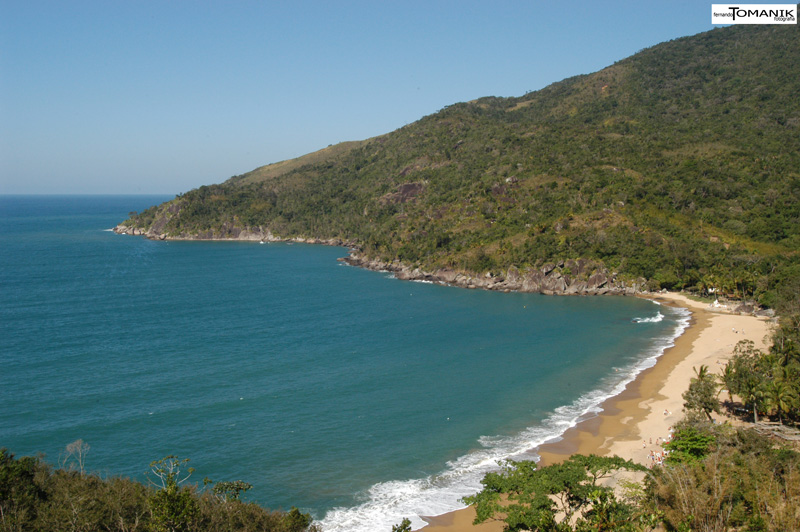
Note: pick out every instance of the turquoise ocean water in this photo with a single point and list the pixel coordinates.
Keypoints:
(352, 395)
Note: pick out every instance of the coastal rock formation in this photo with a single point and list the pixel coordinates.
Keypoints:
(137, 231)
(570, 277)
(573, 277)
(252, 234)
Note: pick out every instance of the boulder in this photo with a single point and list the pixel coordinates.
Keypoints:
(577, 287)
(554, 283)
(532, 281)
(596, 281)
(446, 275)
(548, 267)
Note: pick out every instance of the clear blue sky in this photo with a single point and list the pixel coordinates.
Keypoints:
(140, 96)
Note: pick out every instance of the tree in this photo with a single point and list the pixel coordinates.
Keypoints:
(688, 445)
(173, 507)
(228, 490)
(20, 494)
(296, 521)
(35, 496)
(170, 470)
(551, 498)
(753, 395)
(748, 373)
(77, 451)
(404, 526)
(779, 397)
(702, 393)
(607, 513)
(727, 379)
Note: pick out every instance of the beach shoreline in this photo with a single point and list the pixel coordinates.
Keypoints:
(632, 423)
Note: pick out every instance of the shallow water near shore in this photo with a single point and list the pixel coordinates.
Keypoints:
(354, 396)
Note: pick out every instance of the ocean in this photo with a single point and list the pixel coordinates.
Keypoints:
(354, 396)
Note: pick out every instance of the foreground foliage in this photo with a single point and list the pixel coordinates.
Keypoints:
(34, 496)
(560, 497)
(721, 478)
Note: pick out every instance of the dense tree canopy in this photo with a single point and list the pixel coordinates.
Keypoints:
(768, 382)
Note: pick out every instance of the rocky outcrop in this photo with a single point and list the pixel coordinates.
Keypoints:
(253, 234)
(573, 277)
(138, 231)
(405, 192)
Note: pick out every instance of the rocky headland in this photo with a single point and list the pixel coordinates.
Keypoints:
(251, 234)
(570, 277)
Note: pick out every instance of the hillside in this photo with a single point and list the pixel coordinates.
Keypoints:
(679, 165)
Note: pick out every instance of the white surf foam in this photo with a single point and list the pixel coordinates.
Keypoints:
(654, 319)
(387, 503)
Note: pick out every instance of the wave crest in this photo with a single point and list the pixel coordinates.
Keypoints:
(655, 319)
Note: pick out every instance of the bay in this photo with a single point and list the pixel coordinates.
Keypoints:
(354, 396)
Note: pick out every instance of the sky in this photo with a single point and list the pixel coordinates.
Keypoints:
(160, 97)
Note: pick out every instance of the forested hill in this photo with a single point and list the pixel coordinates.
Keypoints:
(680, 164)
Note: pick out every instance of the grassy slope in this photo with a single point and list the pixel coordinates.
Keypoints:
(276, 170)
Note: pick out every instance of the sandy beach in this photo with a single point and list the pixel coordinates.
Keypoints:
(632, 423)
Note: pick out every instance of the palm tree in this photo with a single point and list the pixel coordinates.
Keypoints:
(779, 397)
(702, 393)
(752, 395)
(706, 285)
(703, 375)
(785, 351)
(728, 379)
(782, 373)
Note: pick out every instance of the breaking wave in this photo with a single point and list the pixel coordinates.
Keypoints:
(655, 319)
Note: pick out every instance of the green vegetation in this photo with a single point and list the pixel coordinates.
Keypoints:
(678, 164)
(702, 393)
(768, 382)
(404, 526)
(560, 497)
(36, 497)
(721, 478)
